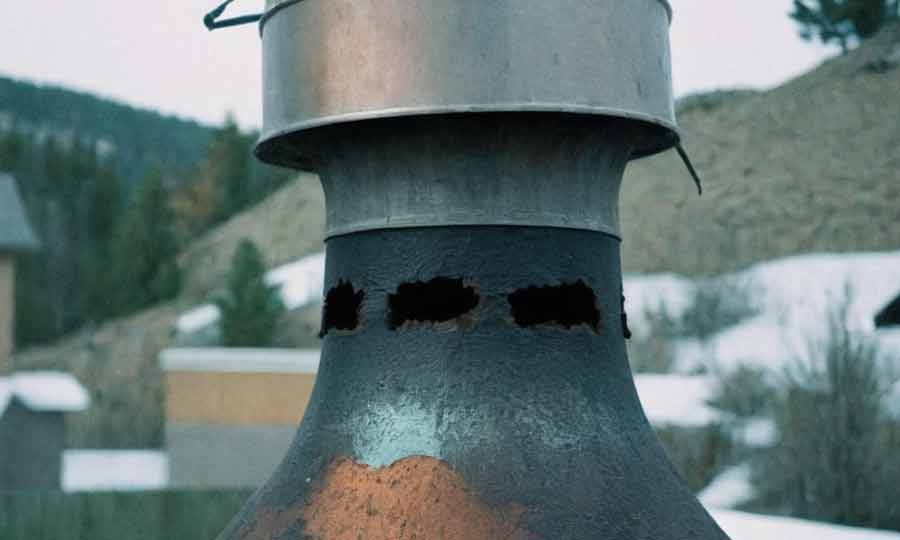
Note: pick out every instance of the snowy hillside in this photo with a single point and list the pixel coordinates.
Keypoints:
(792, 295)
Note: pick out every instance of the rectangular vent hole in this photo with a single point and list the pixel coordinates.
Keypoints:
(567, 305)
(341, 310)
(439, 300)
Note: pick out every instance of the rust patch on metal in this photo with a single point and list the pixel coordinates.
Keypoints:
(417, 498)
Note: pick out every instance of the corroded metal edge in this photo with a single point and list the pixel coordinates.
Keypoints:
(267, 140)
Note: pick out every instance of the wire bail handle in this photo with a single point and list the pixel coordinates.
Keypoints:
(212, 21)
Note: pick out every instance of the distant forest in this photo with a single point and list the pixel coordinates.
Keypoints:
(113, 193)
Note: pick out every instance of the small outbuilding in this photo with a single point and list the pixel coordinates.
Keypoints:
(231, 414)
(16, 236)
(32, 427)
(33, 405)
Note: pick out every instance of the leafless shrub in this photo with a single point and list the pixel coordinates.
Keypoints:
(836, 459)
(717, 304)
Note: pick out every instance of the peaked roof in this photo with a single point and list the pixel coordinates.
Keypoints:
(16, 233)
(44, 391)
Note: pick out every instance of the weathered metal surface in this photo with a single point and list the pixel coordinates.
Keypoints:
(328, 62)
(543, 419)
(458, 170)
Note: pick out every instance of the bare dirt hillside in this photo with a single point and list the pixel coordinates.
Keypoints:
(289, 224)
(813, 165)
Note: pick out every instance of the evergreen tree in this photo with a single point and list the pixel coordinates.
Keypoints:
(250, 308)
(144, 253)
(843, 21)
(102, 204)
(230, 179)
(231, 159)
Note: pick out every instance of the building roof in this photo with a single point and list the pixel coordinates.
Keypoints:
(16, 233)
(44, 391)
(236, 360)
(114, 470)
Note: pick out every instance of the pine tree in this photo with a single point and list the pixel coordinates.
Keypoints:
(250, 308)
(145, 249)
(102, 204)
(230, 158)
(843, 21)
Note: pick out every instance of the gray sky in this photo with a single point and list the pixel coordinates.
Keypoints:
(157, 54)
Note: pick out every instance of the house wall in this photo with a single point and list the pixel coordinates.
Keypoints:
(231, 429)
(31, 446)
(237, 398)
(7, 310)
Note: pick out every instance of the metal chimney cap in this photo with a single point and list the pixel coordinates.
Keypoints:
(328, 62)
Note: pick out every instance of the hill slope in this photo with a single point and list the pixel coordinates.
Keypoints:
(811, 166)
(141, 138)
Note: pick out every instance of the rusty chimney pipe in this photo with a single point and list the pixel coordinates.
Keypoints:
(474, 383)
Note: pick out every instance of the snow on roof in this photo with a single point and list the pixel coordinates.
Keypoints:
(114, 470)
(744, 526)
(44, 391)
(300, 283)
(677, 399)
(235, 360)
(729, 488)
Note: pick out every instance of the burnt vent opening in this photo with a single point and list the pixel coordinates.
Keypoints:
(439, 300)
(341, 310)
(566, 305)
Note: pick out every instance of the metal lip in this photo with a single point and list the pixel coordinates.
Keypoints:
(278, 5)
(664, 143)
(400, 223)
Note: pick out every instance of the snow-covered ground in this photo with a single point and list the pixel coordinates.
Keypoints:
(114, 470)
(744, 526)
(677, 400)
(729, 489)
(793, 296)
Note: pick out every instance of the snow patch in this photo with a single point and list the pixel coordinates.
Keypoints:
(44, 391)
(197, 319)
(677, 400)
(114, 470)
(756, 433)
(744, 526)
(238, 360)
(729, 489)
(650, 293)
